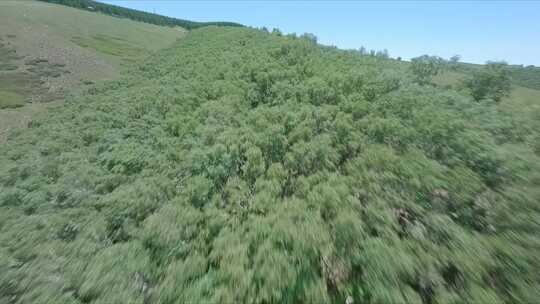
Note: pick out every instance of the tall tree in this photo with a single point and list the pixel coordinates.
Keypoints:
(425, 67)
(492, 81)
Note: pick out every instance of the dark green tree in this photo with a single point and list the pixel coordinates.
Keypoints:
(491, 81)
(425, 67)
(455, 59)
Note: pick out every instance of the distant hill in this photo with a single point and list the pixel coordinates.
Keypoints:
(136, 15)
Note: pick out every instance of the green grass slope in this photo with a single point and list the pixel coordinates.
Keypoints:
(47, 50)
(59, 21)
(242, 166)
(92, 45)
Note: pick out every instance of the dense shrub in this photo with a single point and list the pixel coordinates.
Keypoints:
(425, 67)
(244, 166)
(492, 81)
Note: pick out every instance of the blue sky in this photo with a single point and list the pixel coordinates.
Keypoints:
(478, 31)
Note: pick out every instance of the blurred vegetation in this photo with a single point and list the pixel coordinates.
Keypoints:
(246, 166)
(528, 76)
(11, 100)
(16, 88)
(118, 11)
(524, 76)
(491, 81)
(7, 56)
(425, 67)
(111, 46)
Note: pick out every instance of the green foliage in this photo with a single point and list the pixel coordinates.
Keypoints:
(425, 67)
(524, 76)
(245, 166)
(492, 81)
(118, 11)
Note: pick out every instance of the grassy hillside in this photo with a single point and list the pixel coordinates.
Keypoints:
(242, 166)
(47, 50)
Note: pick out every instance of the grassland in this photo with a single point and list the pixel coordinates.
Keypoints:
(34, 18)
(48, 50)
(113, 46)
(11, 100)
(523, 102)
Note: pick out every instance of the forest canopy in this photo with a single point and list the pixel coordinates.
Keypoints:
(246, 166)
